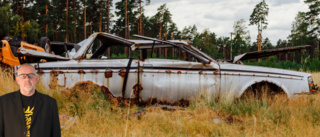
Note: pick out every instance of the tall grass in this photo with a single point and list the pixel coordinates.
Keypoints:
(206, 116)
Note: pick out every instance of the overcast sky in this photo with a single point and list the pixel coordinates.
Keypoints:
(219, 15)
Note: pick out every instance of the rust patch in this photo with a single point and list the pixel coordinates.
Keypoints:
(179, 72)
(168, 71)
(55, 73)
(200, 72)
(81, 72)
(141, 69)
(142, 59)
(87, 88)
(136, 91)
(122, 73)
(216, 72)
(54, 79)
(114, 100)
(40, 71)
(126, 102)
(108, 73)
(118, 101)
(94, 71)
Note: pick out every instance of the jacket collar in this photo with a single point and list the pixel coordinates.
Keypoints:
(37, 106)
(18, 103)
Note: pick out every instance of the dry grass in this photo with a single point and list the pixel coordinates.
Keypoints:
(204, 117)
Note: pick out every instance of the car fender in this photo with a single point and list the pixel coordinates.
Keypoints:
(260, 80)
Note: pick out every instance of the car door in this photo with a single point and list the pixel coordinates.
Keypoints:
(175, 81)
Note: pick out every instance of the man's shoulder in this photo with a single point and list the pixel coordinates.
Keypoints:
(4, 99)
(9, 95)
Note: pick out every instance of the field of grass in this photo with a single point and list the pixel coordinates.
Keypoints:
(204, 117)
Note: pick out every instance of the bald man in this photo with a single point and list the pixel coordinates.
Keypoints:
(26, 112)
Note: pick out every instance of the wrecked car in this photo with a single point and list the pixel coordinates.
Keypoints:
(169, 81)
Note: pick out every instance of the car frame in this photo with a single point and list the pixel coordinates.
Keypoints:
(147, 80)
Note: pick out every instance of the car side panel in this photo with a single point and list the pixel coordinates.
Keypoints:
(237, 78)
(173, 81)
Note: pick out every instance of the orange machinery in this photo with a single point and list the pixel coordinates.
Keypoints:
(8, 52)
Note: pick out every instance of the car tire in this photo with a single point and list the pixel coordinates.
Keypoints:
(45, 44)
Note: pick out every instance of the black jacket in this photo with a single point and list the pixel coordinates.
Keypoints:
(45, 118)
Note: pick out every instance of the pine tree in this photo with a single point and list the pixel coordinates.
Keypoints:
(119, 28)
(312, 18)
(259, 18)
(140, 28)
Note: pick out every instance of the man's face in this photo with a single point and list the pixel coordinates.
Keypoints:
(27, 79)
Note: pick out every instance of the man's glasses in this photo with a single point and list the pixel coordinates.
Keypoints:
(30, 75)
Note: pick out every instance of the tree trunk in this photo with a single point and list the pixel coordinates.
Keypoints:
(140, 28)
(84, 22)
(108, 26)
(160, 39)
(100, 20)
(46, 20)
(126, 26)
(22, 4)
(17, 7)
(172, 47)
(90, 28)
(166, 49)
(108, 21)
(75, 22)
(126, 20)
(67, 8)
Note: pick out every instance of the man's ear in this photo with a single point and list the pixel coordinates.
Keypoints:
(17, 80)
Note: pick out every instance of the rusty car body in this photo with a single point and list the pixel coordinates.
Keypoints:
(169, 81)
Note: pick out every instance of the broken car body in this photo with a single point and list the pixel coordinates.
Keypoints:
(159, 80)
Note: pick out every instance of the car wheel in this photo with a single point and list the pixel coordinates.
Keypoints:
(262, 91)
(45, 44)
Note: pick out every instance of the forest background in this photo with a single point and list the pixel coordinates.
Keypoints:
(75, 20)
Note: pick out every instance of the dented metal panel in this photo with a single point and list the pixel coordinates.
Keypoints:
(267, 53)
(86, 45)
(39, 54)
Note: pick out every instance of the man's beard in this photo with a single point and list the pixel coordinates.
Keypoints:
(28, 86)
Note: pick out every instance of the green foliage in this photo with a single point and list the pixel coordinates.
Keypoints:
(119, 28)
(239, 46)
(204, 42)
(33, 31)
(310, 64)
(259, 16)
(266, 44)
(240, 28)
(8, 21)
(299, 32)
(119, 55)
(312, 18)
